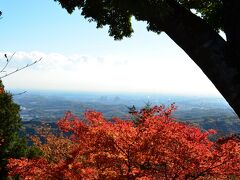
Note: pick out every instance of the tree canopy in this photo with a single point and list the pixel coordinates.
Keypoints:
(158, 147)
(12, 144)
(10, 124)
(117, 14)
(191, 24)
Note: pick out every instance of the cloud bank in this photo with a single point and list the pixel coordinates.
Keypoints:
(81, 72)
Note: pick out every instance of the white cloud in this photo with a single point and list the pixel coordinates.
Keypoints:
(108, 73)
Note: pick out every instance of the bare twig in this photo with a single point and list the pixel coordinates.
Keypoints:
(19, 69)
(7, 62)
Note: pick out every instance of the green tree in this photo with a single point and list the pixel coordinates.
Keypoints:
(192, 24)
(10, 124)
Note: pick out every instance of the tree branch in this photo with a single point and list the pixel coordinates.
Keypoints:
(7, 62)
(19, 69)
(17, 94)
(205, 47)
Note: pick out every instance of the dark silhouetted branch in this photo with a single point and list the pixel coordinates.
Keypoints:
(17, 94)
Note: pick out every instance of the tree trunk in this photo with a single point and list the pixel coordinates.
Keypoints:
(217, 58)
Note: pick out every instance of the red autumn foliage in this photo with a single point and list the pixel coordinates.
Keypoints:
(157, 148)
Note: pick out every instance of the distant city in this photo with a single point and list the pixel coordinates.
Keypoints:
(50, 106)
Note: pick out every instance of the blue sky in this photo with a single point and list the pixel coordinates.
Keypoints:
(79, 57)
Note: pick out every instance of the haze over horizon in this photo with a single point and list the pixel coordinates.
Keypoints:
(79, 57)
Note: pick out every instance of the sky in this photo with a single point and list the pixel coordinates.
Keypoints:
(76, 56)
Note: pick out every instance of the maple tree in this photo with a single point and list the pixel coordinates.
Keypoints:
(56, 147)
(157, 147)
